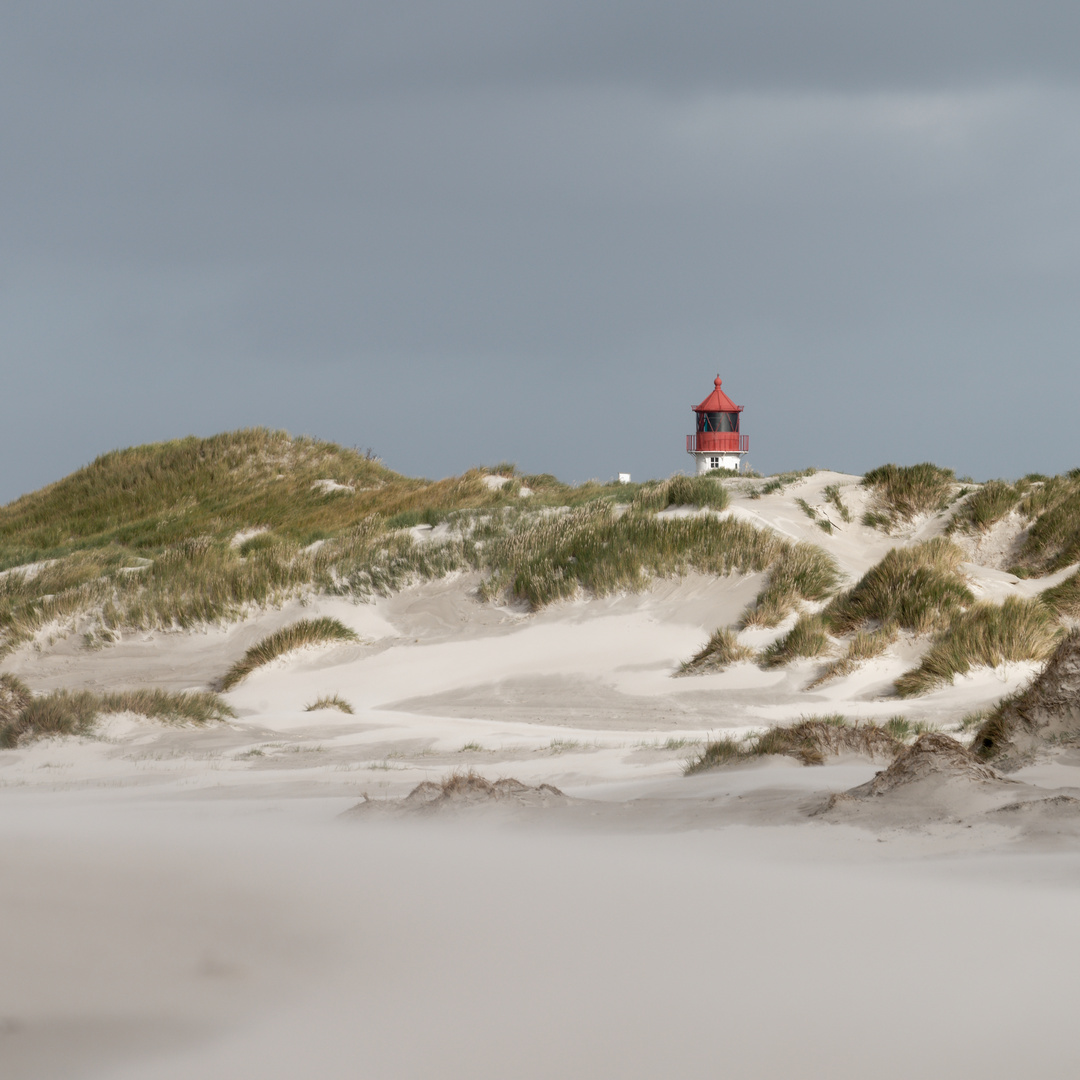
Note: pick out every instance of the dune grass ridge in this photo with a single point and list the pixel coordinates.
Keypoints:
(801, 572)
(902, 492)
(916, 588)
(64, 712)
(985, 507)
(984, 635)
(700, 491)
(297, 635)
(147, 538)
(810, 740)
(807, 638)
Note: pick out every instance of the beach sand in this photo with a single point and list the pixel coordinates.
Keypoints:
(185, 901)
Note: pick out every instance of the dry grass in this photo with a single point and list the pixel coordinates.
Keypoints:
(717, 653)
(801, 572)
(549, 558)
(296, 636)
(903, 492)
(1053, 538)
(66, 712)
(985, 635)
(1063, 599)
(702, 491)
(979, 511)
(15, 696)
(805, 639)
(832, 495)
(329, 701)
(779, 481)
(865, 645)
(810, 740)
(917, 588)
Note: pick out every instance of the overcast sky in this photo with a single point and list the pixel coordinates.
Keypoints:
(462, 233)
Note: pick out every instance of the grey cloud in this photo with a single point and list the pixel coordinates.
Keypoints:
(334, 47)
(547, 224)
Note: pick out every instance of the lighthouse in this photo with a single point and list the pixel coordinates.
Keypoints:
(717, 442)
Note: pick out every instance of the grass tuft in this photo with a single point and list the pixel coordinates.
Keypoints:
(297, 636)
(810, 740)
(865, 645)
(1063, 599)
(832, 495)
(721, 649)
(988, 505)
(806, 638)
(66, 712)
(801, 572)
(987, 634)
(903, 492)
(678, 490)
(918, 588)
(329, 701)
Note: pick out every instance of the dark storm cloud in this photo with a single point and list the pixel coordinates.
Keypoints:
(332, 48)
(477, 231)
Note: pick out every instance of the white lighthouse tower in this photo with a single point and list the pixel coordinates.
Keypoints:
(717, 442)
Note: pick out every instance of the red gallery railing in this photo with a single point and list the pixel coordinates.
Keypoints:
(724, 442)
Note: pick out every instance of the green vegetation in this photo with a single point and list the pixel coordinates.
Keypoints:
(865, 645)
(1063, 599)
(810, 740)
(806, 638)
(548, 558)
(329, 701)
(1053, 538)
(721, 649)
(24, 717)
(903, 492)
(832, 495)
(780, 481)
(985, 507)
(703, 491)
(801, 571)
(200, 531)
(917, 588)
(296, 636)
(985, 634)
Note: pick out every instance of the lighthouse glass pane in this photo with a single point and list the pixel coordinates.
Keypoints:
(722, 421)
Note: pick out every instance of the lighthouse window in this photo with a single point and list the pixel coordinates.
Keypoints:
(714, 463)
(722, 421)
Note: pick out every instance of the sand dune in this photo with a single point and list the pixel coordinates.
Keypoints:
(184, 901)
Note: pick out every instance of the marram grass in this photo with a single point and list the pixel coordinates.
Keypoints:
(295, 636)
(865, 645)
(984, 635)
(901, 493)
(918, 588)
(809, 740)
(329, 701)
(717, 653)
(985, 507)
(807, 638)
(801, 572)
(66, 712)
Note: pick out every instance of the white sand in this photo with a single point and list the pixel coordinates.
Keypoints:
(186, 902)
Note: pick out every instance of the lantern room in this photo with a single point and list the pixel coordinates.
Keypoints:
(717, 442)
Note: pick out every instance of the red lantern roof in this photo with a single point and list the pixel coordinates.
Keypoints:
(718, 401)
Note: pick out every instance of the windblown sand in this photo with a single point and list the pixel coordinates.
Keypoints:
(208, 902)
